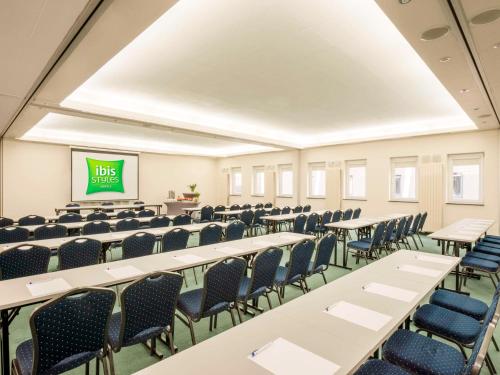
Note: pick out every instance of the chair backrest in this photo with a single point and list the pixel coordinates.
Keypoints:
(247, 217)
(159, 221)
(275, 211)
(299, 223)
(257, 217)
(307, 208)
(347, 214)
(97, 216)
(356, 213)
(79, 252)
(259, 205)
(378, 235)
(337, 216)
(297, 209)
(416, 223)
(264, 267)
(107, 204)
(125, 214)
(50, 231)
(324, 250)
(235, 230)
(409, 220)
(286, 210)
(326, 217)
(422, 221)
(32, 220)
(70, 217)
(176, 239)
(96, 227)
(24, 260)
(479, 350)
(246, 206)
(235, 207)
(311, 222)
(86, 313)
(146, 213)
(148, 304)
(221, 282)
(268, 205)
(13, 234)
(5, 222)
(138, 245)
(127, 224)
(219, 208)
(206, 213)
(210, 234)
(182, 219)
(300, 257)
(73, 205)
(400, 229)
(140, 208)
(389, 230)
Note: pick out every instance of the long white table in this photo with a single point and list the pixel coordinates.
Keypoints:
(15, 293)
(113, 207)
(275, 219)
(463, 232)
(305, 323)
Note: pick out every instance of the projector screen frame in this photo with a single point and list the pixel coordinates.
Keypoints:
(103, 151)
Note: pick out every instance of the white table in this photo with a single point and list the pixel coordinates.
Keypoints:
(14, 293)
(304, 322)
(225, 214)
(463, 232)
(275, 219)
(113, 207)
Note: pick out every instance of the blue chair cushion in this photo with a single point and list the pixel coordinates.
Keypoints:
(311, 269)
(379, 367)
(114, 333)
(491, 258)
(245, 285)
(190, 303)
(422, 355)
(359, 245)
(281, 274)
(491, 239)
(479, 264)
(487, 250)
(447, 323)
(459, 303)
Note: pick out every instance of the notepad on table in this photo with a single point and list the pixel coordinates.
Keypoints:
(228, 250)
(123, 272)
(284, 357)
(435, 259)
(42, 288)
(389, 291)
(419, 270)
(189, 258)
(358, 315)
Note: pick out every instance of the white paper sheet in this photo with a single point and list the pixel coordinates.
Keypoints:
(282, 357)
(42, 288)
(229, 250)
(263, 243)
(123, 272)
(358, 315)
(434, 259)
(389, 291)
(189, 258)
(419, 270)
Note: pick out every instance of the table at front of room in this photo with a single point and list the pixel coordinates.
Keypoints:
(305, 321)
(14, 293)
(464, 232)
(344, 226)
(111, 207)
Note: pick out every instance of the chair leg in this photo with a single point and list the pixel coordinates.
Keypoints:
(495, 343)
(191, 330)
(493, 280)
(233, 320)
(97, 366)
(195, 278)
(278, 292)
(307, 286)
(415, 242)
(240, 318)
(269, 301)
(170, 342)
(111, 361)
(87, 368)
(104, 362)
(324, 277)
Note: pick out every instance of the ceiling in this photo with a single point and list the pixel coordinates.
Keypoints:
(279, 74)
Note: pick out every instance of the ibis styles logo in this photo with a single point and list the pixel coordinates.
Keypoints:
(105, 175)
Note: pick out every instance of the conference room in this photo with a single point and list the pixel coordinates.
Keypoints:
(250, 187)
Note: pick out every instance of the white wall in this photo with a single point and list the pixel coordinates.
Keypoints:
(37, 177)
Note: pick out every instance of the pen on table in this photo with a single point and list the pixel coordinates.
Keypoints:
(261, 349)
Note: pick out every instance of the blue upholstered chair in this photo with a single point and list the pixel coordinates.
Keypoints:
(96, 227)
(324, 251)
(79, 252)
(107, 204)
(138, 245)
(235, 230)
(336, 217)
(182, 219)
(5, 222)
(414, 229)
(14, 234)
(24, 260)
(159, 221)
(246, 206)
(365, 249)
(127, 224)
(258, 223)
(286, 210)
(140, 208)
(261, 281)
(421, 224)
(347, 214)
(219, 293)
(126, 214)
(307, 208)
(206, 214)
(147, 311)
(311, 223)
(50, 231)
(259, 205)
(70, 217)
(146, 213)
(95, 216)
(406, 231)
(299, 224)
(246, 218)
(481, 263)
(268, 205)
(67, 332)
(325, 219)
(296, 270)
(31, 220)
(274, 211)
(236, 207)
(379, 367)
(386, 241)
(211, 234)
(76, 211)
(356, 213)
(398, 234)
(175, 239)
(298, 209)
(219, 208)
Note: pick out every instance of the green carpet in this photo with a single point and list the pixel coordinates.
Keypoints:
(132, 359)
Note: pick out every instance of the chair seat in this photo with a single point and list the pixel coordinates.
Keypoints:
(245, 285)
(447, 323)
(487, 249)
(359, 245)
(379, 367)
(491, 239)
(491, 258)
(24, 356)
(422, 355)
(190, 304)
(114, 333)
(459, 303)
(480, 264)
(281, 274)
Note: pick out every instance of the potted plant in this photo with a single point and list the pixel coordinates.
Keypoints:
(192, 194)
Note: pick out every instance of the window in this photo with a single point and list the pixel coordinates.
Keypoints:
(285, 180)
(355, 179)
(235, 181)
(465, 178)
(404, 179)
(258, 181)
(317, 180)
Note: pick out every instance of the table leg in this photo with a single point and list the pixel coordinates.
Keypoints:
(5, 343)
(456, 252)
(344, 255)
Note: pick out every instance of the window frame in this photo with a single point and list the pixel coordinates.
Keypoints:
(279, 191)
(412, 161)
(258, 169)
(232, 171)
(347, 165)
(450, 178)
(310, 168)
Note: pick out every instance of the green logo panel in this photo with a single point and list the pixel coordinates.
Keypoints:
(105, 176)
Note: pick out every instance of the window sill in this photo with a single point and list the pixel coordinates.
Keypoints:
(466, 203)
(235, 195)
(257, 195)
(316, 197)
(355, 199)
(403, 201)
(284, 196)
